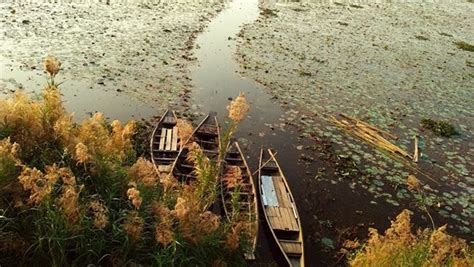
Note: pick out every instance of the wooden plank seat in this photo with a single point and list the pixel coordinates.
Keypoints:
(205, 142)
(234, 160)
(232, 155)
(211, 152)
(168, 139)
(271, 165)
(187, 176)
(187, 166)
(207, 132)
(163, 159)
(169, 120)
(291, 246)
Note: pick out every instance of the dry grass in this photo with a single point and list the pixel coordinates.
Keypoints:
(399, 246)
(370, 134)
(79, 193)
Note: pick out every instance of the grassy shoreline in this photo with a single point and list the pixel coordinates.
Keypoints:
(74, 193)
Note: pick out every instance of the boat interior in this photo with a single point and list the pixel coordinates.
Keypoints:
(280, 209)
(165, 146)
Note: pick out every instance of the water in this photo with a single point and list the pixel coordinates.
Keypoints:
(79, 95)
(216, 80)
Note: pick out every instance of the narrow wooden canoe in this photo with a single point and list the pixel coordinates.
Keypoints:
(279, 209)
(206, 135)
(165, 143)
(246, 205)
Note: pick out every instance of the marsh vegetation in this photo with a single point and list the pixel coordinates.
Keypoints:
(74, 193)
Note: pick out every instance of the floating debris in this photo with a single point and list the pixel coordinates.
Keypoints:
(370, 134)
(465, 46)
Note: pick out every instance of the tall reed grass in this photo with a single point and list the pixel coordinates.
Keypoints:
(80, 193)
(399, 246)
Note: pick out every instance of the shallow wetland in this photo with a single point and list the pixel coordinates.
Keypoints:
(299, 63)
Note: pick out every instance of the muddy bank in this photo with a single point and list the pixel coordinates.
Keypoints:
(124, 59)
(391, 66)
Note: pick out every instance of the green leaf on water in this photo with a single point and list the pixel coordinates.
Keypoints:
(327, 242)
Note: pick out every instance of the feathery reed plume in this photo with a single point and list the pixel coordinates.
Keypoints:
(100, 213)
(94, 138)
(400, 247)
(39, 185)
(134, 226)
(143, 172)
(98, 118)
(238, 108)
(180, 208)
(233, 237)
(64, 130)
(185, 130)
(208, 222)
(401, 228)
(24, 119)
(413, 183)
(232, 177)
(187, 211)
(128, 131)
(134, 196)
(52, 66)
(207, 173)
(70, 195)
(9, 158)
(168, 182)
(380, 247)
(82, 154)
(195, 152)
(52, 107)
(164, 233)
(443, 247)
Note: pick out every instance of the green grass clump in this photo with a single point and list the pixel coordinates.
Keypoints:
(465, 46)
(439, 127)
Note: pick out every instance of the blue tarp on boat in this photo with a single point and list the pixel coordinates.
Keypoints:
(269, 196)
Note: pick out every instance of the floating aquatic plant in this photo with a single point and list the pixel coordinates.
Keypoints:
(439, 127)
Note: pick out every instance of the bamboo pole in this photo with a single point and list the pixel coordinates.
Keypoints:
(415, 156)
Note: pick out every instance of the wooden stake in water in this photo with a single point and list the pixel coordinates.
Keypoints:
(415, 156)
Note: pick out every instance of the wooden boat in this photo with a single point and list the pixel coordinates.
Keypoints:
(206, 135)
(279, 209)
(165, 142)
(247, 196)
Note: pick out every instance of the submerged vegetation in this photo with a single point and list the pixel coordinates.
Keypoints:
(441, 128)
(465, 46)
(80, 193)
(401, 247)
